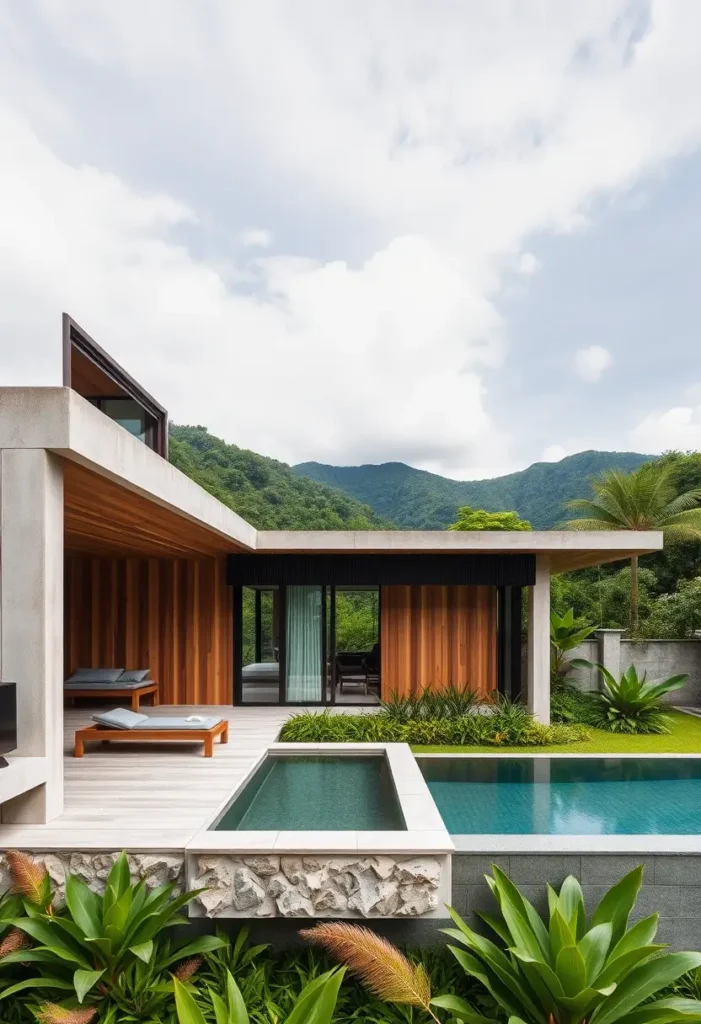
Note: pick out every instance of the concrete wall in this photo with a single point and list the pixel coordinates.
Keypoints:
(671, 885)
(659, 658)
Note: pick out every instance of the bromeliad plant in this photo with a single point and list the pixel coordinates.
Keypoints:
(633, 705)
(104, 949)
(571, 968)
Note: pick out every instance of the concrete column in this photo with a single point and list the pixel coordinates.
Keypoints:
(539, 642)
(609, 652)
(31, 617)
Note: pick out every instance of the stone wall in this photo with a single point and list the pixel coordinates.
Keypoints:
(671, 885)
(93, 868)
(267, 886)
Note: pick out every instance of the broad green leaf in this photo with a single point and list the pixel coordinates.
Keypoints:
(119, 877)
(461, 1009)
(187, 1009)
(594, 947)
(199, 945)
(496, 924)
(643, 982)
(327, 998)
(618, 903)
(84, 906)
(641, 934)
(144, 951)
(238, 1014)
(221, 1014)
(571, 969)
(83, 981)
(561, 935)
(503, 995)
(616, 970)
(571, 903)
(663, 1011)
(36, 983)
(301, 1014)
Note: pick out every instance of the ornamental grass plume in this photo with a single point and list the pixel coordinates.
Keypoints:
(14, 940)
(52, 1013)
(30, 880)
(376, 962)
(188, 967)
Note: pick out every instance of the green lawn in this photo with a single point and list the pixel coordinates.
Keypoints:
(685, 738)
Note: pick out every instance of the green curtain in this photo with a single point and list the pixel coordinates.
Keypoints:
(304, 650)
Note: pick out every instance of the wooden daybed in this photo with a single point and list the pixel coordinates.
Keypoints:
(105, 734)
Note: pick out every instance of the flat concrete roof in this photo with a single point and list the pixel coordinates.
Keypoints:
(568, 549)
(61, 421)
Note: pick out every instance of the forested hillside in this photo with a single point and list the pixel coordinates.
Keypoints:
(265, 492)
(418, 500)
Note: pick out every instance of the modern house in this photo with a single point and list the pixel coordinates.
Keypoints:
(111, 556)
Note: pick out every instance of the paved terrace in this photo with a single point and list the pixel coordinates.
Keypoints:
(148, 796)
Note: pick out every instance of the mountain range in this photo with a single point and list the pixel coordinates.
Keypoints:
(417, 500)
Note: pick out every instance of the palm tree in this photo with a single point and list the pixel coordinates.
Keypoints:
(645, 499)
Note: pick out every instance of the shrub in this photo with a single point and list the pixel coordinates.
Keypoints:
(632, 705)
(452, 702)
(572, 968)
(508, 725)
(567, 704)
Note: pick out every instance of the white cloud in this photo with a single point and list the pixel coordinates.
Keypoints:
(256, 238)
(528, 264)
(678, 428)
(405, 155)
(553, 453)
(591, 362)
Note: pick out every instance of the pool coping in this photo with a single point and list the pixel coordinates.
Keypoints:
(544, 843)
(425, 831)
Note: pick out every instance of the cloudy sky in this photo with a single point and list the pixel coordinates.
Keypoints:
(464, 235)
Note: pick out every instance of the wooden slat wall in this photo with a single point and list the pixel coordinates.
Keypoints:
(173, 616)
(438, 636)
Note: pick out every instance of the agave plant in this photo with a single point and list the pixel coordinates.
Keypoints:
(316, 1002)
(105, 947)
(571, 968)
(632, 704)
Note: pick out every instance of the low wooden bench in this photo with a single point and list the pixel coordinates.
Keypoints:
(134, 693)
(103, 734)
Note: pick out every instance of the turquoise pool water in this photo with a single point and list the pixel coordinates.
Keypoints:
(567, 796)
(323, 794)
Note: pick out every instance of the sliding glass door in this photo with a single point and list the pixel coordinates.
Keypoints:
(305, 642)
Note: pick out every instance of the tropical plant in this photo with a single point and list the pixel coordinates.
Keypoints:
(479, 519)
(507, 724)
(645, 499)
(633, 705)
(565, 636)
(386, 971)
(571, 968)
(315, 1004)
(101, 947)
(452, 702)
(569, 705)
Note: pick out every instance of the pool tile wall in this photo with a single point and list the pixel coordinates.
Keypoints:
(671, 885)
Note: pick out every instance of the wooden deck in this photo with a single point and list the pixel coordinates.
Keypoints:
(149, 796)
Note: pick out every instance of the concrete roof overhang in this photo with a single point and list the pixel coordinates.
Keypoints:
(121, 494)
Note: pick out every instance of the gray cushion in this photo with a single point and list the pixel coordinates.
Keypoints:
(134, 675)
(118, 685)
(175, 723)
(95, 675)
(120, 718)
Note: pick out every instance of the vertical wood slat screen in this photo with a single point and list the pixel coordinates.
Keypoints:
(436, 637)
(173, 616)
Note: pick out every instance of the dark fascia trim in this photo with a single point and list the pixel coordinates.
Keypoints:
(360, 569)
(74, 335)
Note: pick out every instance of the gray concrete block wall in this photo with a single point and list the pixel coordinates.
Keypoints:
(659, 658)
(671, 885)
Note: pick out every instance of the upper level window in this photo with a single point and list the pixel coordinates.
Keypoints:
(127, 413)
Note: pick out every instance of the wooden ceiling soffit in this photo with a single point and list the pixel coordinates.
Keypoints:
(101, 517)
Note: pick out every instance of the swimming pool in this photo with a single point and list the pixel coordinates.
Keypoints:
(566, 796)
(316, 793)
